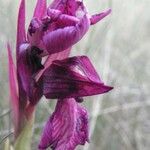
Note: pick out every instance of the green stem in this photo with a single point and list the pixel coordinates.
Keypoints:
(23, 141)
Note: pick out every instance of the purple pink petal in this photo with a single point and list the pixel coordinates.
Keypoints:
(66, 128)
(13, 86)
(72, 77)
(40, 9)
(61, 39)
(21, 34)
(96, 18)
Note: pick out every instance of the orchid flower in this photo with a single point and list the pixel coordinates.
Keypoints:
(53, 29)
(69, 80)
(61, 25)
(52, 32)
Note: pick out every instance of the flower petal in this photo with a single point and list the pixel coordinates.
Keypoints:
(61, 18)
(67, 7)
(40, 9)
(96, 18)
(29, 64)
(73, 77)
(64, 38)
(66, 128)
(13, 85)
(23, 71)
(21, 36)
(38, 28)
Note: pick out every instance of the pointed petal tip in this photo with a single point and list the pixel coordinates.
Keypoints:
(40, 8)
(109, 11)
(108, 88)
(98, 17)
(21, 36)
(106, 12)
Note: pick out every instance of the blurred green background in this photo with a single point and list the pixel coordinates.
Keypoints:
(119, 47)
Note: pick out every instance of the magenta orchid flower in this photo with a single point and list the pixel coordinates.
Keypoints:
(69, 80)
(52, 32)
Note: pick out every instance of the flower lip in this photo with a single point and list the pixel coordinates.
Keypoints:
(67, 127)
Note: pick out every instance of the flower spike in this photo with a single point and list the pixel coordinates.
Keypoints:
(52, 32)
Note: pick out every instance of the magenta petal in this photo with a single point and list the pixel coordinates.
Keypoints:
(67, 20)
(62, 18)
(68, 6)
(96, 18)
(29, 64)
(21, 37)
(53, 13)
(72, 77)
(13, 85)
(40, 9)
(66, 128)
(23, 68)
(64, 38)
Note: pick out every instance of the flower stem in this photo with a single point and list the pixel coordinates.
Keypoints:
(23, 141)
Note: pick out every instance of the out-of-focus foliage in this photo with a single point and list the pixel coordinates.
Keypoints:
(119, 48)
